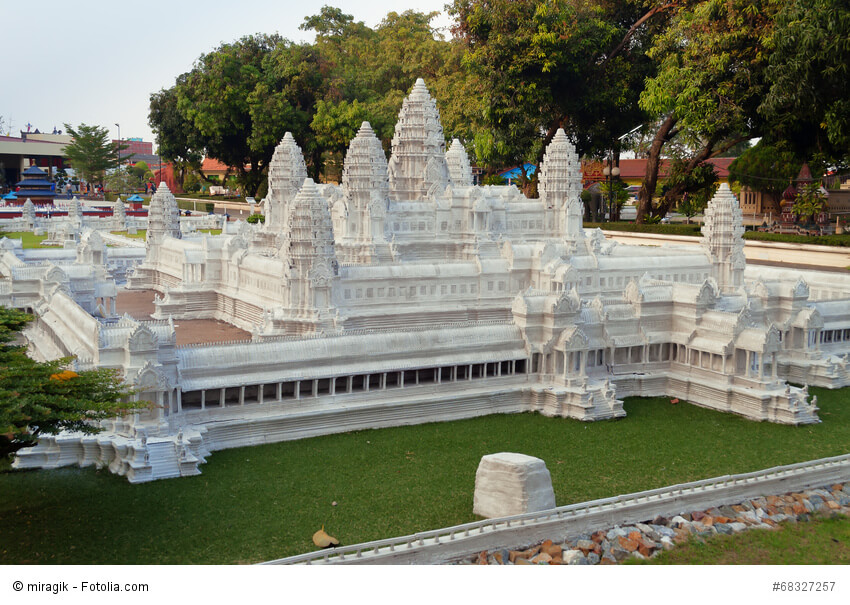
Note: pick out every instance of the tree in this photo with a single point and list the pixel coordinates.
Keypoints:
(178, 141)
(46, 398)
(808, 101)
(809, 201)
(566, 63)
(765, 167)
(91, 152)
(711, 63)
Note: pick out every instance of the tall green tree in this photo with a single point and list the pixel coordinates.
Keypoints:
(91, 152)
(808, 100)
(178, 141)
(573, 64)
(46, 398)
(711, 62)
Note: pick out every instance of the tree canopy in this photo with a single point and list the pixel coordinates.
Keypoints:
(694, 78)
(45, 398)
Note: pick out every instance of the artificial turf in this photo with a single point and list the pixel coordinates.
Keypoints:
(259, 503)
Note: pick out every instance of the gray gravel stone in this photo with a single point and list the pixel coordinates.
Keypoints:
(723, 528)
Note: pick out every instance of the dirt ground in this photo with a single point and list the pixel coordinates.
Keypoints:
(138, 304)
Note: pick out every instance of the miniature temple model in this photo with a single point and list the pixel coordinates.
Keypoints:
(406, 294)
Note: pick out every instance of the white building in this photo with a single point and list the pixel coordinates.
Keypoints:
(408, 295)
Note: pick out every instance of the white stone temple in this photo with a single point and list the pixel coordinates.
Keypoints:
(408, 295)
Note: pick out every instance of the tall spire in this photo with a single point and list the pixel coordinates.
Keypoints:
(366, 190)
(723, 228)
(287, 172)
(418, 162)
(458, 163)
(310, 231)
(560, 185)
(163, 216)
(311, 259)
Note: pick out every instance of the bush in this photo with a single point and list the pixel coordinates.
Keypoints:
(210, 207)
(692, 230)
(256, 218)
(815, 240)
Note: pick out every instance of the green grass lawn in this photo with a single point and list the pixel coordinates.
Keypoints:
(210, 231)
(140, 233)
(820, 541)
(259, 503)
(29, 239)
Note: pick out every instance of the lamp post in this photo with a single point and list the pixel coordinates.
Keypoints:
(610, 172)
(119, 158)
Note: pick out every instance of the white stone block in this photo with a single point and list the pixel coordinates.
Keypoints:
(511, 484)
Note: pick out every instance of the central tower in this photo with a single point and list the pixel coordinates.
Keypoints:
(418, 160)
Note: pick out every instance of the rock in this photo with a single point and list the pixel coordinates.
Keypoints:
(573, 557)
(592, 559)
(815, 501)
(635, 535)
(522, 562)
(723, 528)
(499, 559)
(697, 527)
(616, 532)
(697, 515)
(621, 554)
(708, 521)
(837, 487)
(808, 505)
(659, 520)
(627, 544)
(598, 536)
(553, 550)
(643, 527)
(511, 484)
(482, 558)
(585, 546)
(681, 536)
(738, 527)
(678, 521)
(667, 543)
(664, 531)
(541, 558)
(749, 515)
(844, 500)
(522, 554)
(728, 511)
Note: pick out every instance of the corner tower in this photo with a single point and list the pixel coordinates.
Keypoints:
(560, 188)
(418, 160)
(366, 191)
(311, 259)
(163, 216)
(287, 172)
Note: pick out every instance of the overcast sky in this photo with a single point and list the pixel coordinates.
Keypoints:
(97, 61)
